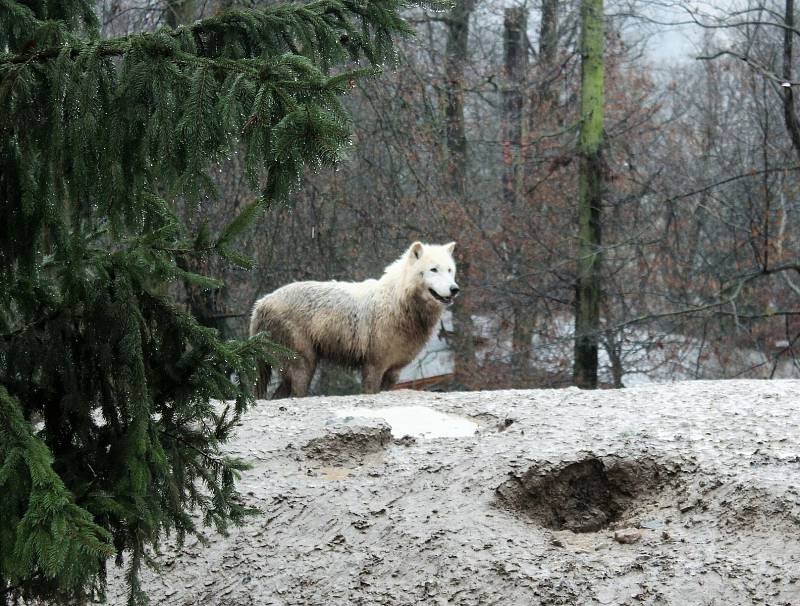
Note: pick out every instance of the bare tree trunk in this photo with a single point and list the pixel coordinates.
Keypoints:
(521, 344)
(613, 347)
(206, 304)
(548, 33)
(516, 67)
(544, 95)
(588, 289)
(789, 115)
(180, 12)
(456, 180)
(515, 42)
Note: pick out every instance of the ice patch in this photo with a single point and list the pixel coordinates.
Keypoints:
(417, 421)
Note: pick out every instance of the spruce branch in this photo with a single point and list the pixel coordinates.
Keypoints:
(291, 19)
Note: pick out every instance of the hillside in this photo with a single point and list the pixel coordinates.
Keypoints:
(680, 494)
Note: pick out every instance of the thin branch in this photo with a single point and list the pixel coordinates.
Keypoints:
(752, 173)
(767, 73)
(729, 300)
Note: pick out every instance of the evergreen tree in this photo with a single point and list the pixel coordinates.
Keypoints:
(109, 436)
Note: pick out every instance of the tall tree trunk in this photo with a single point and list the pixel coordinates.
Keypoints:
(516, 68)
(613, 347)
(206, 304)
(180, 12)
(456, 180)
(789, 115)
(544, 96)
(548, 33)
(515, 42)
(709, 120)
(590, 192)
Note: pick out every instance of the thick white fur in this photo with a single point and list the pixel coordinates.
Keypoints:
(376, 325)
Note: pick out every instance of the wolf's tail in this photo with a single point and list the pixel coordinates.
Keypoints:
(263, 377)
(263, 368)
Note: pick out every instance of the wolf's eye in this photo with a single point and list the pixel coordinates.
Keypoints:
(434, 270)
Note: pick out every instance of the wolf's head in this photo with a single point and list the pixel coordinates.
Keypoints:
(434, 267)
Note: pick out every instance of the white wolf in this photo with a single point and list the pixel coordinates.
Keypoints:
(378, 326)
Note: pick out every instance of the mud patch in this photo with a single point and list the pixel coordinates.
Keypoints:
(421, 525)
(584, 495)
(349, 443)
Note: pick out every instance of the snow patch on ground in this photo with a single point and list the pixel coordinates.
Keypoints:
(416, 421)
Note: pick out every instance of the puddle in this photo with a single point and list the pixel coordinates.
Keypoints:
(417, 421)
(334, 473)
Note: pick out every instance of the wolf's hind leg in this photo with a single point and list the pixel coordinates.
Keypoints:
(300, 372)
(263, 377)
(284, 389)
(389, 379)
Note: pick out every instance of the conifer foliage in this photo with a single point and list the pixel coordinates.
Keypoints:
(109, 436)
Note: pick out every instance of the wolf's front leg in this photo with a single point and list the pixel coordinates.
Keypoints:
(371, 379)
(389, 379)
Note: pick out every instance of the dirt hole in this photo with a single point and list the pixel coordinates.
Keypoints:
(582, 496)
(349, 444)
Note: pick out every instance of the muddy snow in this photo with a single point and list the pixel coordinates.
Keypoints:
(681, 494)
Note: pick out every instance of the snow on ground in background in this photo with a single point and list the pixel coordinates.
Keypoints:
(647, 356)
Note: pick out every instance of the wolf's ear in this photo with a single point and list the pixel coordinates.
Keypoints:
(416, 250)
(449, 247)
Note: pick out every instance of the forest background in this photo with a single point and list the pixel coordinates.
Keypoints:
(475, 138)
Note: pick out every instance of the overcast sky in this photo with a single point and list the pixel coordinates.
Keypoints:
(674, 43)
